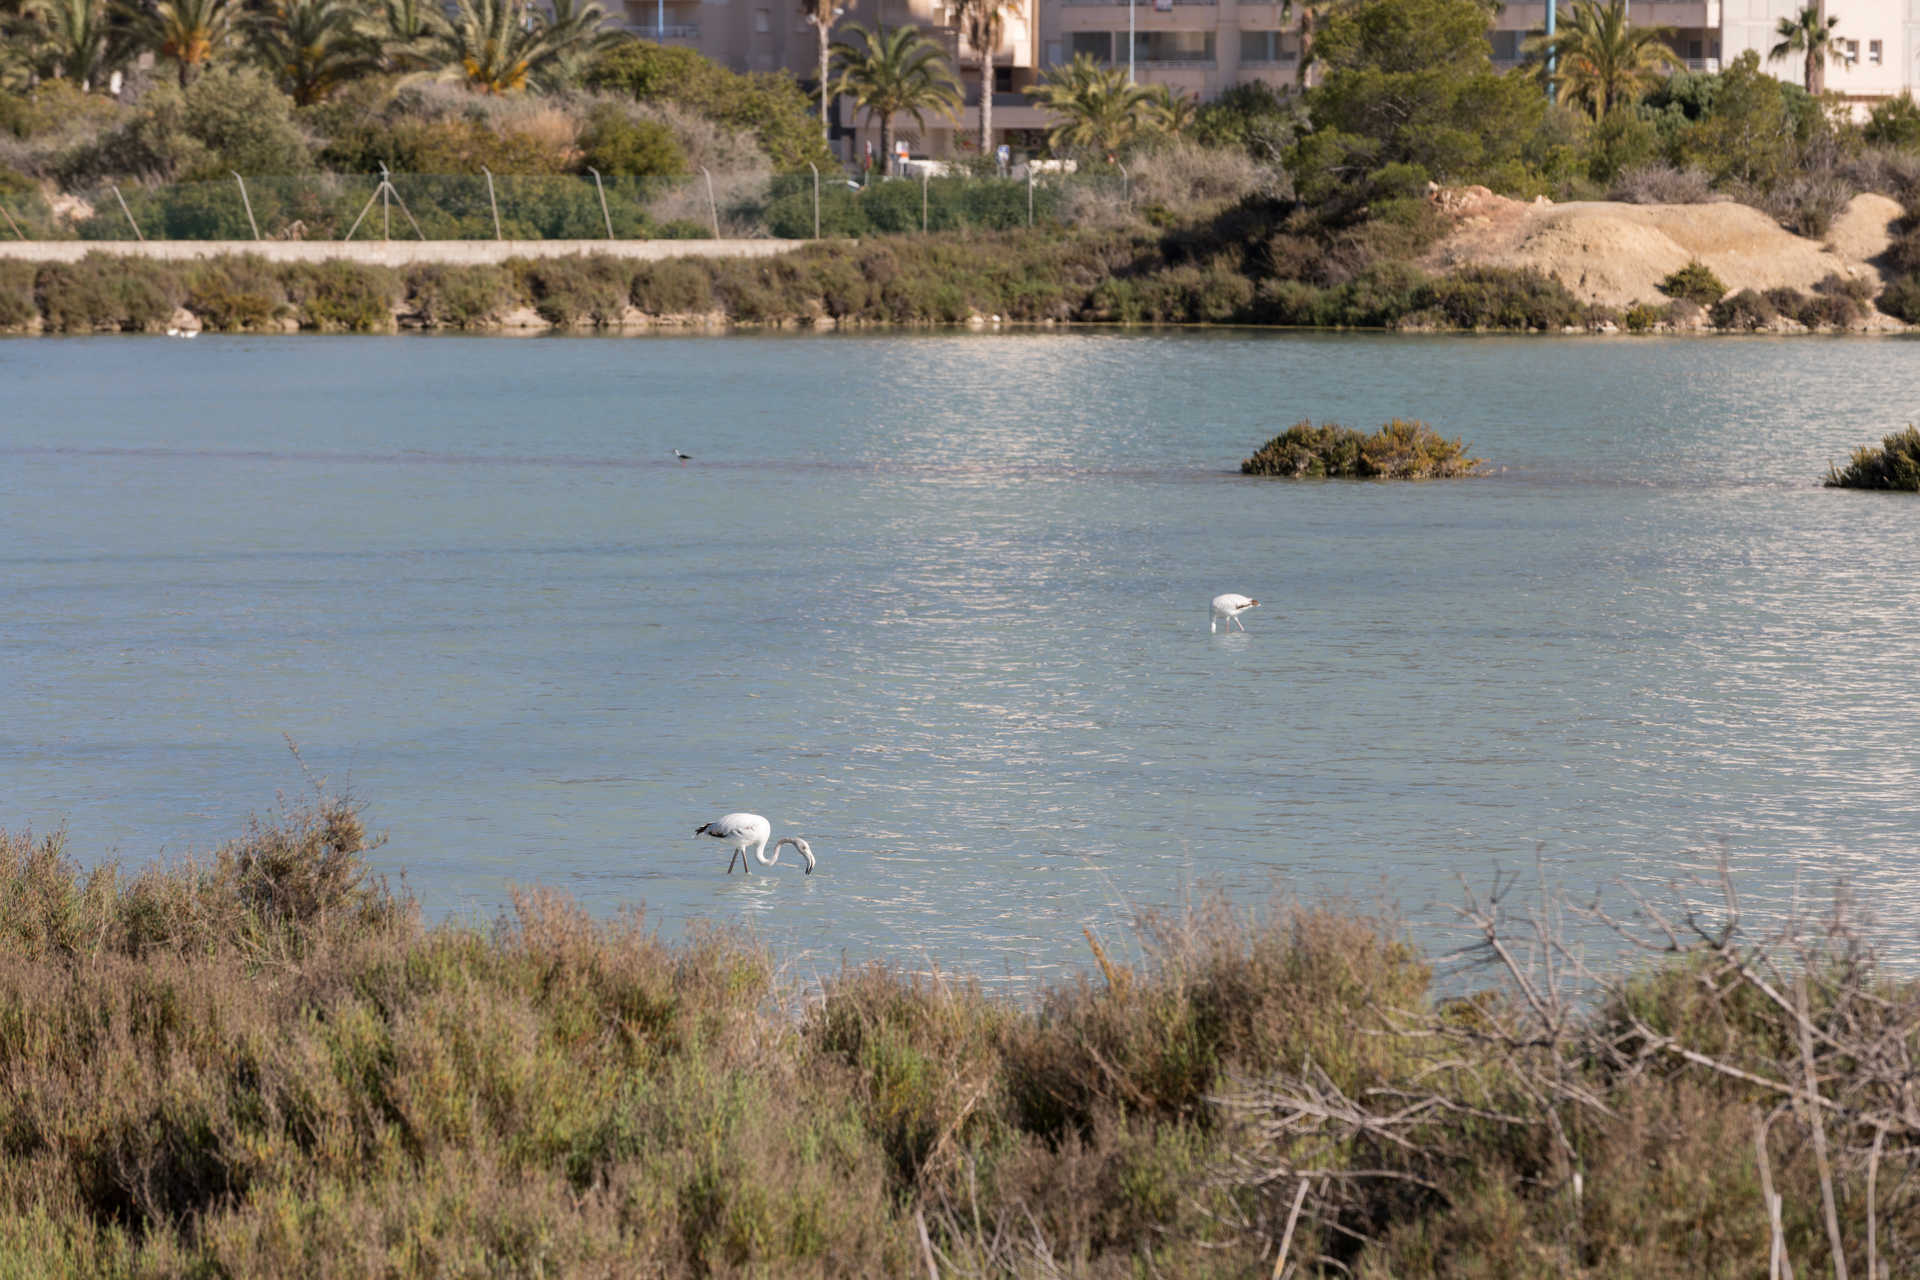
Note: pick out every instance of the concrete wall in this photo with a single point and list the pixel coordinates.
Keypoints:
(394, 253)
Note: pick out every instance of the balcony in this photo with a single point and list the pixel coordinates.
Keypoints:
(1709, 65)
(1161, 5)
(672, 31)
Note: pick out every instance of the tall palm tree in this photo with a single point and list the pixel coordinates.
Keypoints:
(983, 24)
(505, 46)
(191, 32)
(1100, 110)
(1810, 34)
(1175, 113)
(823, 14)
(312, 47)
(409, 33)
(76, 39)
(1600, 59)
(895, 71)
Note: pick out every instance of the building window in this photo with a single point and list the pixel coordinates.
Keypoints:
(1267, 46)
(1096, 44)
(1173, 46)
(1852, 50)
(1873, 52)
(762, 21)
(1506, 45)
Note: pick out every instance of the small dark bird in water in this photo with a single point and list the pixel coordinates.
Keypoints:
(684, 457)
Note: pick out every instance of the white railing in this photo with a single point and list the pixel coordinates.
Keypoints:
(672, 31)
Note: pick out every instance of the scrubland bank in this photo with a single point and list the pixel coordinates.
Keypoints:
(1112, 276)
(264, 1063)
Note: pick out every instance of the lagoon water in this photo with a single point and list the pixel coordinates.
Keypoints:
(938, 603)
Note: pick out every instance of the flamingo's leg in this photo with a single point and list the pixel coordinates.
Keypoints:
(1238, 623)
(730, 858)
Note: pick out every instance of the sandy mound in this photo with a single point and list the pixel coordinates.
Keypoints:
(1616, 254)
(1864, 230)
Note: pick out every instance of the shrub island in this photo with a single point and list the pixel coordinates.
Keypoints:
(1403, 449)
(1894, 465)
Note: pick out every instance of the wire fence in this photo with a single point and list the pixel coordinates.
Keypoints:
(521, 207)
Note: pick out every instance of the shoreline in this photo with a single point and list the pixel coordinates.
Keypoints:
(999, 283)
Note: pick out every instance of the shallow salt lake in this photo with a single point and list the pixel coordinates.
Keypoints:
(938, 602)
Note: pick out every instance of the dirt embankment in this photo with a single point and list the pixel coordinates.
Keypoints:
(1617, 254)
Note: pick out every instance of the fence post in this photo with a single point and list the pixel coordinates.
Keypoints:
(713, 207)
(491, 202)
(138, 234)
(605, 216)
(245, 201)
(386, 214)
(816, 198)
(1029, 191)
(925, 176)
(1126, 185)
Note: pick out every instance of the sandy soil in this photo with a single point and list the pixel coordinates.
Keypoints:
(1616, 254)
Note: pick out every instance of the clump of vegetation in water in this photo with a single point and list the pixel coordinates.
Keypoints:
(1894, 465)
(1404, 449)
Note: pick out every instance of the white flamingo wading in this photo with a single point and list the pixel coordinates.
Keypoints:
(751, 831)
(1228, 608)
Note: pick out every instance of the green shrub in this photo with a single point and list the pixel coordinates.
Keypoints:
(769, 105)
(17, 309)
(104, 292)
(677, 286)
(1744, 310)
(1501, 298)
(1894, 122)
(1694, 283)
(1403, 449)
(237, 292)
(340, 295)
(1894, 465)
(1901, 299)
(592, 289)
(460, 297)
(622, 147)
(1641, 317)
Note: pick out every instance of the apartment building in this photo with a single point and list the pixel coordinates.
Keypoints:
(1879, 40)
(1202, 47)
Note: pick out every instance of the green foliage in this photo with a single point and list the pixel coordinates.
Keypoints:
(99, 293)
(769, 105)
(1403, 449)
(1751, 127)
(1894, 122)
(458, 297)
(17, 309)
(237, 293)
(1694, 283)
(1641, 317)
(229, 119)
(1251, 117)
(1101, 112)
(1746, 309)
(1412, 81)
(619, 146)
(591, 290)
(340, 296)
(1894, 465)
(891, 73)
(1601, 59)
(1901, 299)
(673, 287)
